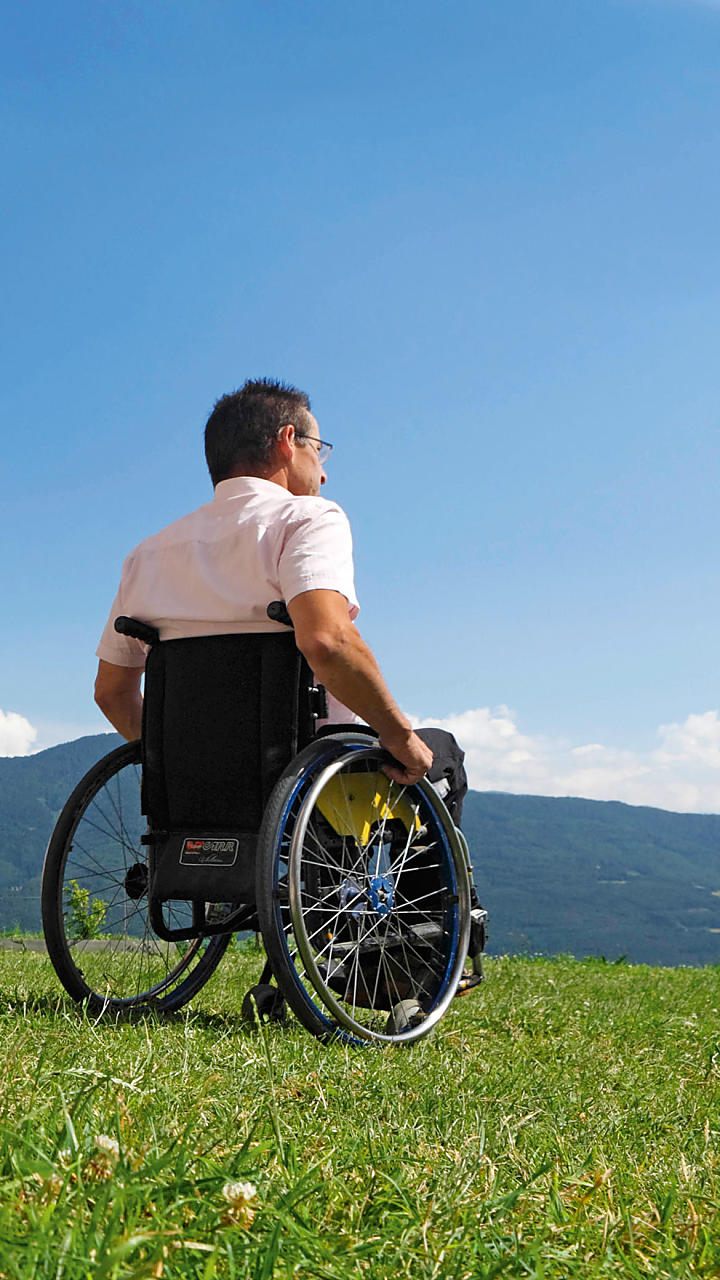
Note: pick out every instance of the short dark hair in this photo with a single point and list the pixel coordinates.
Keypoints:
(243, 426)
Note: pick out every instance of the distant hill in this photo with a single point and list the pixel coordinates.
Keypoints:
(580, 876)
(599, 878)
(33, 790)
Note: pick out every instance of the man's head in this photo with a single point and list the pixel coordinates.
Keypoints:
(265, 429)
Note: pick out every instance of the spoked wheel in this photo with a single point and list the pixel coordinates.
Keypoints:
(363, 896)
(94, 901)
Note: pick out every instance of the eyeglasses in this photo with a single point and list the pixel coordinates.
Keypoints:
(324, 450)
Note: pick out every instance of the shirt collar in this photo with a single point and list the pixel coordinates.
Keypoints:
(241, 486)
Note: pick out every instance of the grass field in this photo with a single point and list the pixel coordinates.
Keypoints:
(562, 1122)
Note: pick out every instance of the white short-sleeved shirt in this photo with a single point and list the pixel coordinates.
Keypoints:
(215, 570)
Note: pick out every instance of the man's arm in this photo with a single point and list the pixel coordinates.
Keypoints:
(346, 666)
(117, 693)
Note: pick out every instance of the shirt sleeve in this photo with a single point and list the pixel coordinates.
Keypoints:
(123, 651)
(318, 555)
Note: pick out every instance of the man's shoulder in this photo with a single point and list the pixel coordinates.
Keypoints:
(291, 511)
(308, 507)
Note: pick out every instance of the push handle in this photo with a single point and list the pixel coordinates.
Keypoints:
(137, 629)
(277, 612)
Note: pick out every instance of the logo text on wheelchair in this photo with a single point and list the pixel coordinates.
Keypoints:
(206, 852)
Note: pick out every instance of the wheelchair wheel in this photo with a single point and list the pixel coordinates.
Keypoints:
(363, 896)
(94, 901)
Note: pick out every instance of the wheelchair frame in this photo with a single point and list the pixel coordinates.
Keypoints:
(362, 897)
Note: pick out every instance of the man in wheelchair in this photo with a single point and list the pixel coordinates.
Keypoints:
(268, 536)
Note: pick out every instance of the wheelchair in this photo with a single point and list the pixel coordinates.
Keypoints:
(231, 814)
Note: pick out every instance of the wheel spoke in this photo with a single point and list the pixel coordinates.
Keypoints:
(111, 953)
(373, 915)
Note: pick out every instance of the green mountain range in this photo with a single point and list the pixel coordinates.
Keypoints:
(597, 878)
(586, 877)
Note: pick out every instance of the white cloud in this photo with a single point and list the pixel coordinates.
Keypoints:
(16, 734)
(682, 772)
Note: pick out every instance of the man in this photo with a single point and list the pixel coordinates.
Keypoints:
(266, 535)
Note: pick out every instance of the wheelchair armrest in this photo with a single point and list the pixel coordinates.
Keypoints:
(137, 629)
(354, 728)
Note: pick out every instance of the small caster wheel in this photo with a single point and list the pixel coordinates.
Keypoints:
(406, 1014)
(263, 1003)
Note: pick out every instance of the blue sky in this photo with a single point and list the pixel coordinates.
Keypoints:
(484, 239)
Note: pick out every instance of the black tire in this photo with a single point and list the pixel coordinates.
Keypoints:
(94, 907)
(365, 918)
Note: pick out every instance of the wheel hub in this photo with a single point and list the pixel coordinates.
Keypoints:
(136, 881)
(381, 892)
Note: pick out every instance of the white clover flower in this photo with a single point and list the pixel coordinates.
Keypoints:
(110, 1146)
(237, 1193)
(242, 1202)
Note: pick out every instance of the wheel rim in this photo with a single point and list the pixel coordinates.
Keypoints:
(105, 934)
(379, 908)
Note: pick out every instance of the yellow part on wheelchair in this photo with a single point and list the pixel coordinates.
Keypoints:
(353, 802)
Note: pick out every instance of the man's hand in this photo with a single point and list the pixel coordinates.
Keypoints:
(411, 752)
(346, 666)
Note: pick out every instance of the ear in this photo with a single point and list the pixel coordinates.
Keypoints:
(286, 439)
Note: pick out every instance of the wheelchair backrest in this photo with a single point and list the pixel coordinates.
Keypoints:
(222, 717)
